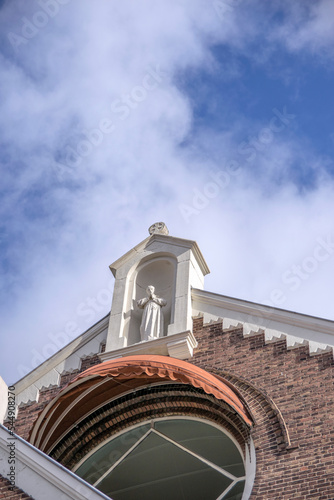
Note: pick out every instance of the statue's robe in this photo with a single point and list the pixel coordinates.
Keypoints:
(152, 323)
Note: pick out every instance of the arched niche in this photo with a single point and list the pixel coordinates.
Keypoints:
(160, 272)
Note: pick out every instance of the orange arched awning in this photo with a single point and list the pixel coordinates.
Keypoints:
(105, 381)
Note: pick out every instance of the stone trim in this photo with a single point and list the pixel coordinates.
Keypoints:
(180, 346)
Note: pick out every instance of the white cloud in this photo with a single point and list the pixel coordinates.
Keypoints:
(67, 223)
(309, 27)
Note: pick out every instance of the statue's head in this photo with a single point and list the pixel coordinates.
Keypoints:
(150, 290)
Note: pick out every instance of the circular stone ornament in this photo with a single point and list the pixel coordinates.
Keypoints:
(158, 228)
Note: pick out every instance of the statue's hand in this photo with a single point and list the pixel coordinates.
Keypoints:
(141, 303)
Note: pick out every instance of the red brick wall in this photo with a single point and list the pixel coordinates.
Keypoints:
(291, 397)
(301, 386)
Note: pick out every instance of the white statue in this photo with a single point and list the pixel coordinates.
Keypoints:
(152, 323)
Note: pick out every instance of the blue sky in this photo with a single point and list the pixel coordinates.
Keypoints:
(215, 117)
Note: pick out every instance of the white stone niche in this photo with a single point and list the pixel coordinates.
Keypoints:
(173, 266)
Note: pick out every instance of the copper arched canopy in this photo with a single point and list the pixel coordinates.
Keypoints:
(106, 381)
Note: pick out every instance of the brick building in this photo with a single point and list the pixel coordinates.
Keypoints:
(184, 394)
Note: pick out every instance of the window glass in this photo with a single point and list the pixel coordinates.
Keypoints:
(98, 463)
(206, 440)
(157, 469)
(236, 492)
(168, 459)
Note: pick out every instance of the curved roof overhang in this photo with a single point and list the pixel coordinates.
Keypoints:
(106, 381)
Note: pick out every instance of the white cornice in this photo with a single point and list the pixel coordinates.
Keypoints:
(128, 255)
(181, 242)
(263, 312)
(165, 239)
(61, 355)
(179, 345)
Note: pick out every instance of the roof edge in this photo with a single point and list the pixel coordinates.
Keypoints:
(266, 312)
(54, 360)
(47, 470)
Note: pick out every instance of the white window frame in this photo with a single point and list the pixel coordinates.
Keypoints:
(249, 459)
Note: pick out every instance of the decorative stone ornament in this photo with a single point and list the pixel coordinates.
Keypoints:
(158, 228)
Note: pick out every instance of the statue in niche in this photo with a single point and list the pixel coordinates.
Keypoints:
(152, 323)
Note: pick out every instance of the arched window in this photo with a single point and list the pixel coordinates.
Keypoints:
(152, 427)
(171, 458)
